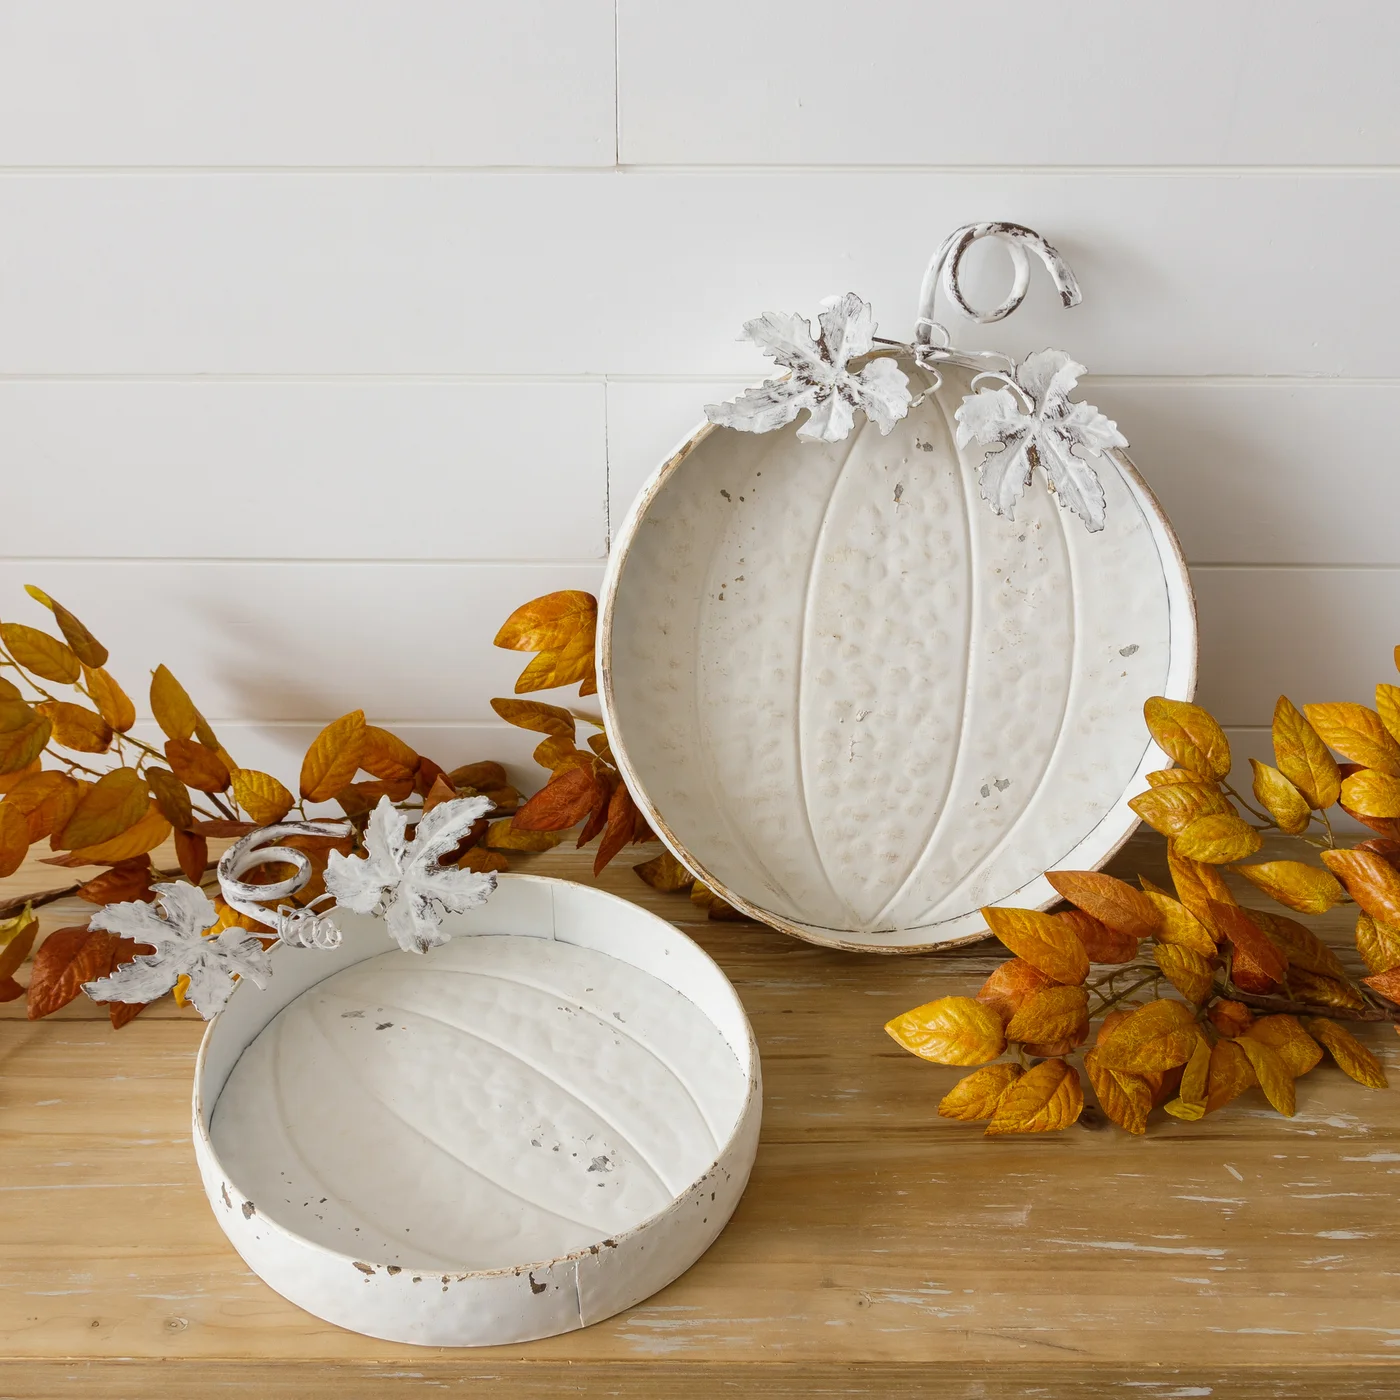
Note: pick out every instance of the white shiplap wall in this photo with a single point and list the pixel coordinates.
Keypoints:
(330, 333)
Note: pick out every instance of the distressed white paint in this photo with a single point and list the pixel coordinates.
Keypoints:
(877, 705)
(411, 1092)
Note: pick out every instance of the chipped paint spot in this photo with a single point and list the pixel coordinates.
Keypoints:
(364, 1268)
(249, 1210)
(537, 1287)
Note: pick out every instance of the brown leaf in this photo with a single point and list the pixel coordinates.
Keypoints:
(550, 623)
(14, 838)
(1230, 1017)
(482, 861)
(1302, 757)
(974, 1098)
(1197, 885)
(171, 705)
(131, 880)
(502, 836)
(1299, 944)
(622, 821)
(1378, 944)
(66, 959)
(46, 799)
(1042, 940)
(1285, 1034)
(171, 797)
(10, 781)
(196, 766)
(264, 799)
(563, 802)
(1386, 849)
(40, 654)
(1052, 1015)
(665, 873)
(480, 777)
(950, 1031)
(1356, 732)
(333, 758)
(122, 1013)
(1371, 794)
(599, 744)
(1101, 943)
(1179, 925)
(1257, 965)
(1218, 840)
(192, 852)
(88, 649)
(1351, 1055)
(1283, 802)
(1324, 991)
(1229, 1075)
(1125, 1098)
(1189, 735)
(386, 756)
(1107, 899)
(21, 746)
(112, 805)
(1272, 1073)
(425, 776)
(703, 897)
(1045, 1099)
(1011, 985)
(136, 840)
(16, 939)
(1371, 881)
(113, 703)
(76, 727)
(536, 715)
(1191, 974)
(1172, 808)
(1306, 888)
(440, 792)
(1158, 1036)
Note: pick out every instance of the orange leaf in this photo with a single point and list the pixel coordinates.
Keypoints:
(1042, 940)
(1387, 983)
(1229, 1075)
(1257, 966)
(1218, 840)
(1045, 1099)
(1303, 887)
(192, 852)
(131, 880)
(196, 766)
(88, 649)
(426, 775)
(1356, 732)
(1285, 1034)
(77, 728)
(1372, 882)
(1351, 1055)
(171, 705)
(1283, 801)
(14, 838)
(1378, 944)
(1302, 757)
(333, 758)
(1299, 944)
(113, 703)
(1101, 943)
(974, 1098)
(136, 840)
(1230, 1017)
(1272, 1073)
(536, 715)
(1324, 991)
(1371, 794)
(386, 756)
(1191, 974)
(622, 824)
(551, 669)
(1055, 1014)
(950, 1031)
(665, 873)
(112, 805)
(561, 803)
(503, 836)
(47, 800)
(550, 623)
(1158, 1036)
(1126, 1098)
(66, 959)
(264, 799)
(1190, 1103)
(1109, 900)
(1189, 735)
(1170, 809)
(483, 861)
(170, 795)
(1198, 885)
(1179, 925)
(22, 745)
(480, 777)
(40, 654)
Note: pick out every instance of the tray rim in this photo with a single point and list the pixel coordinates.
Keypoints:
(1169, 546)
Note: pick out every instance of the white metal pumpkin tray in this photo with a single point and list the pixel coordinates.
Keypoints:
(849, 694)
(518, 1133)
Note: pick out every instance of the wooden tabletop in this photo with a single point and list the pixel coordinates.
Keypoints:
(879, 1250)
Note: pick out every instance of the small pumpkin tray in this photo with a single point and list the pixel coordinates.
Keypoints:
(852, 697)
(518, 1133)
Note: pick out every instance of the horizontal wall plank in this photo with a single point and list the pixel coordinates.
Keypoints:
(306, 82)
(1249, 473)
(1310, 634)
(534, 274)
(1068, 82)
(310, 470)
(292, 641)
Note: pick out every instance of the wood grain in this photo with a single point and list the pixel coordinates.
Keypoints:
(879, 1249)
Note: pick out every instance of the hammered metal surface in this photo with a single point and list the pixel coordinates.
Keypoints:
(863, 704)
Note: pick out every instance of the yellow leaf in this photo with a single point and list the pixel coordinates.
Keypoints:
(333, 758)
(113, 703)
(387, 757)
(1272, 1073)
(1179, 925)
(1283, 802)
(260, 795)
(1126, 1098)
(975, 1097)
(111, 806)
(21, 746)
(1218, 840)
(1302, 757)
(1164, 777)
(550, 623)
(76, 727)
(950, 1031)
(16, 941)
(1356, 732)
(171, 705)
(1372, 882)
(1198, 885)
(1047, 943)
(135, 841)
(501, 836)
(1306, 888)
(1055, 1014)
(1324, 991)
(1229, 1076)
(1189, 735)
(1378, 944)
(1299, 944)
(552, 750)
(536, 715)
(1108, 899)
(1190, 1102)
(1285, 1034)
(1191, 974)
(1160, 1035)
(1172, 808)
(1351, 1055)
(40, 654)
(551, 669)
(1372, 794)
(1045, 1099)
(1388, 707)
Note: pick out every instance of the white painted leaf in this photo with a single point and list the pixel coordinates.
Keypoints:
(1046, 436)
(819, 380)
(402, 882)
(174, 926)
